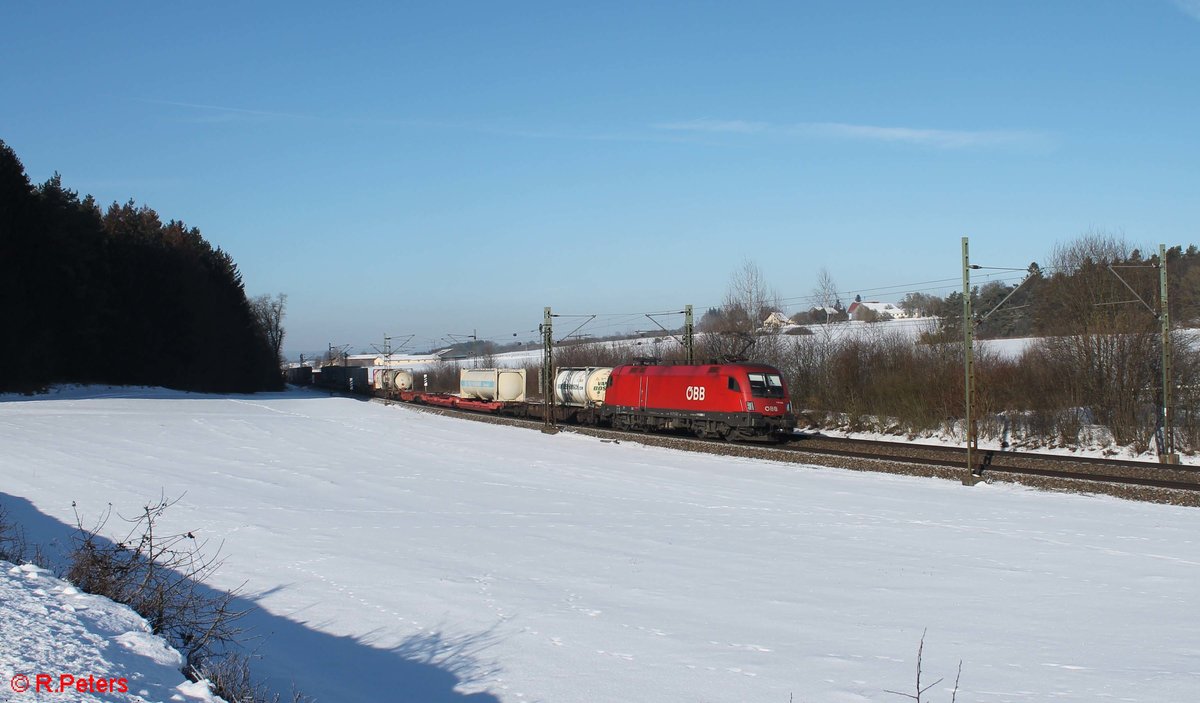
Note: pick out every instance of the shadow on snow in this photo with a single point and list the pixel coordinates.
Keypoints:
(424, 668)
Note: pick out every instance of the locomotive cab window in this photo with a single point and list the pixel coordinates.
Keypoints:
(733, 385)
(766, 385)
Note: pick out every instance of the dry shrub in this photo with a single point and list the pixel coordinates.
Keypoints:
(917, 387)
(608, 354)
(1057, 389)
(230, 678)
(13, 546)
(162, 577)
(443, 377)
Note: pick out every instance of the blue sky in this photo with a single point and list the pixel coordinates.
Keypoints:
(439, 168)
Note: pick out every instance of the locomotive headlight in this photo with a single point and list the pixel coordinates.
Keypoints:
(750, 406)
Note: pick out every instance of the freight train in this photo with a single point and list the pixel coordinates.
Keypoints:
(719, 401)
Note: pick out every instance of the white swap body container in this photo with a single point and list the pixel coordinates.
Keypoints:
(507, 385)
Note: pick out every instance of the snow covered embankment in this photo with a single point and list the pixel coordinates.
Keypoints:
(59, 644)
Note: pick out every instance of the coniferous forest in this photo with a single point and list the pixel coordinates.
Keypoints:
(117, 296)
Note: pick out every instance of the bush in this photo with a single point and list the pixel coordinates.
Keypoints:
(1047, 396)
(162, 577)
(230, 678)
(13, 547)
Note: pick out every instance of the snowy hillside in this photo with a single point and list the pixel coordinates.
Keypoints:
(57, 644)
(398, 555)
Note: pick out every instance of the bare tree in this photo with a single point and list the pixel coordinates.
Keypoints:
(917, 304)
(750, 295)
(269, 313)
(1098, 330)
(826, 294)
(1093, 247)
(1083, 296)
(738, 324)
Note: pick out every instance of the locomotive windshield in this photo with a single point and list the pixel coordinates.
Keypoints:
(766, 385)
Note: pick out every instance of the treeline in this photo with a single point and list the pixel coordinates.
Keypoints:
(1095, 364)
(1096, 283)
(116, 296)
(1061, 391)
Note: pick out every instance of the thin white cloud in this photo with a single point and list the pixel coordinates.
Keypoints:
(503, 130)
(1191, 7)
(734, 126)
(938, 138)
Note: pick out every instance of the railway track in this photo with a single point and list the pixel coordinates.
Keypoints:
(1136, 480)
(989, 463)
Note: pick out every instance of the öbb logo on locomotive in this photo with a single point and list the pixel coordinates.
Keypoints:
(695, 393)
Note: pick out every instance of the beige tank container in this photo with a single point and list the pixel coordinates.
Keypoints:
(581, 386)
(400, 380)
(379, 379)
(507, 385)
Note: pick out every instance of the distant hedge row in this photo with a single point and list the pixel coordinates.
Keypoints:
(118, 297)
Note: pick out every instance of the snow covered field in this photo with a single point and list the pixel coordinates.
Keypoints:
(397, 555)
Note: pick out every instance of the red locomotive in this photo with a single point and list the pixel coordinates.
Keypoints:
(722, 401)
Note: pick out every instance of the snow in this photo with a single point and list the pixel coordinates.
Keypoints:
(47, 627)
(901, 328)
(400, 555)
(1095, 442)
